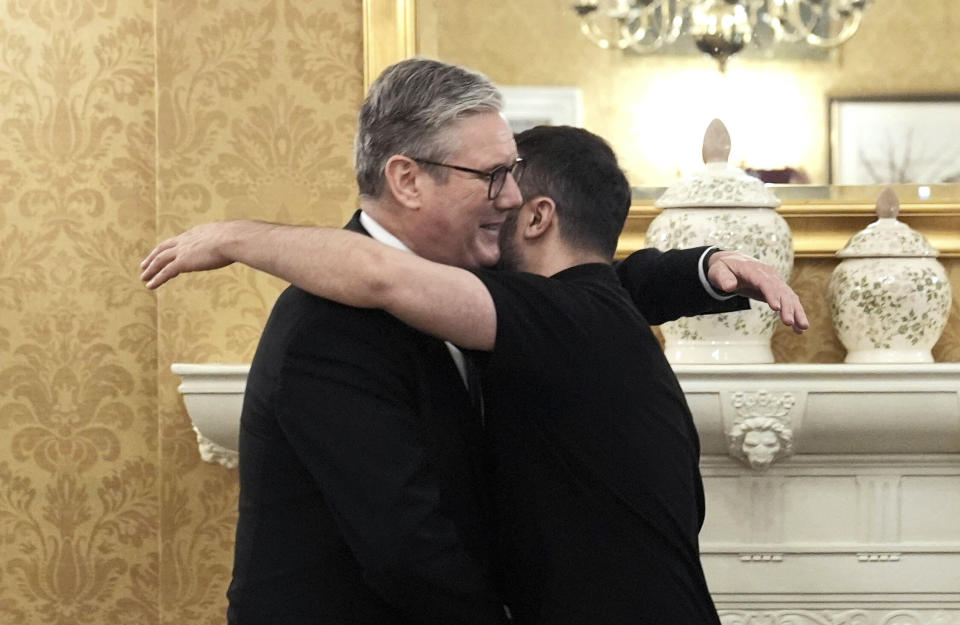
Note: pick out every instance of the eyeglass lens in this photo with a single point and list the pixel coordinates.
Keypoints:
(498, 178)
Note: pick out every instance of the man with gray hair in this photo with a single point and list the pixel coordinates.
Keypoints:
(361, 480)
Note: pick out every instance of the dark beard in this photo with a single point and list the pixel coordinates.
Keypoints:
(510, 254)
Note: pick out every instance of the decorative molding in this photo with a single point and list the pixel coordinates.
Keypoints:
(844, 464)
(389, 35)
(879, 507)
(840, 617)
(760, 432)
(840, 409)
(213, 396)
(761, 557)
(791, 548)
(850, 414)
(878, 557)
(822, 227)
(216, 454)
(762, 404)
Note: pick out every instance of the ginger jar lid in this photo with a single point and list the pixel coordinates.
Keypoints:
(719, 185)
(887, 236)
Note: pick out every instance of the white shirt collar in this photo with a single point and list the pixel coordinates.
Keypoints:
(380, 233)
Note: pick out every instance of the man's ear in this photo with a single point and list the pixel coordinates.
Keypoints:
(404, 177)
(540, 216)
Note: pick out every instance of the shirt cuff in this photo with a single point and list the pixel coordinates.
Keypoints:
(702, 270)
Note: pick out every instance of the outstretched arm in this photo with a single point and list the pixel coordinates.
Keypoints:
(734, 272)
(666, 286)
(346, 267)
(651, 278)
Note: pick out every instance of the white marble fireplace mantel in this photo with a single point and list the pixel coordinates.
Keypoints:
(832, 409)
(833, 490)
(856, 517)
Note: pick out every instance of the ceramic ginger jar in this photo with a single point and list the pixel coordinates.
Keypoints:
(889, 298)
(722, 206)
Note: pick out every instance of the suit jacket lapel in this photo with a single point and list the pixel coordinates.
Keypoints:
(355, 225)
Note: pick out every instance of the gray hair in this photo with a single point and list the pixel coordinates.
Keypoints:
(409, 106)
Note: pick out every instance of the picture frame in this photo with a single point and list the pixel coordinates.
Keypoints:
(904, 139)
(526, 107)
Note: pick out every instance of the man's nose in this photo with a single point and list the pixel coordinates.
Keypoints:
(510, 196)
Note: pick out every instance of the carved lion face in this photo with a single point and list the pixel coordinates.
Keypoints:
(761, 448)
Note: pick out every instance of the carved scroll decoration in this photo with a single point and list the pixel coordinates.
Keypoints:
(840, 617)
(216, 454)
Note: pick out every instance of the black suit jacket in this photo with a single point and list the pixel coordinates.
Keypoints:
(361, 490)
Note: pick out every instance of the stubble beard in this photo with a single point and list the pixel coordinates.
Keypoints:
(510, 254)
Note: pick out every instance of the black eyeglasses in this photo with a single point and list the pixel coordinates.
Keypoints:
(497, 176)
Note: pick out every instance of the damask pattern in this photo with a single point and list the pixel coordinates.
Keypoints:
(840, 617)
(947, 348)
(79, 511)
(257, 103)
(111, 137)
(819, 343)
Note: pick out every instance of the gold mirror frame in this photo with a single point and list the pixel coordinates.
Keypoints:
(820, 227)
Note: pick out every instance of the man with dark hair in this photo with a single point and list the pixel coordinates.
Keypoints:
(592, 449)
(590, 191)
(593, 196)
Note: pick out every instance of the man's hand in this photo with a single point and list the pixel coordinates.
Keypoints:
(197, 249)
(738, 273)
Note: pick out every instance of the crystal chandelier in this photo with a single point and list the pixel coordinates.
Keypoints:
(720, 28)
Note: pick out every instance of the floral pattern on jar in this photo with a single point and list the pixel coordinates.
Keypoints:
(889, 309)
(737, 337)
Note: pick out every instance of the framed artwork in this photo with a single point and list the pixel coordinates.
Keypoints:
(896, 139)
(526, 107)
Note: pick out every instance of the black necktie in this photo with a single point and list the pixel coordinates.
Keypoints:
(473, 384)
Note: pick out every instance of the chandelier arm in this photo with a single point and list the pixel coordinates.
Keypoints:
(603, 26)
(801, 29)
(659, 20)
(847, 30)
(772, 14)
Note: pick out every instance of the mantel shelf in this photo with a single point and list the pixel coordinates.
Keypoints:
(832, 409)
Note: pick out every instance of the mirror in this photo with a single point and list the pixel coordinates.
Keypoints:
(654, 108)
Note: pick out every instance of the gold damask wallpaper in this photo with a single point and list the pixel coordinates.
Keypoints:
(79, 498)
(257, 104)
(122, 123)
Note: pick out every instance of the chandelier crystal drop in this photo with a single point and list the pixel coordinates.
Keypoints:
(720, 28)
